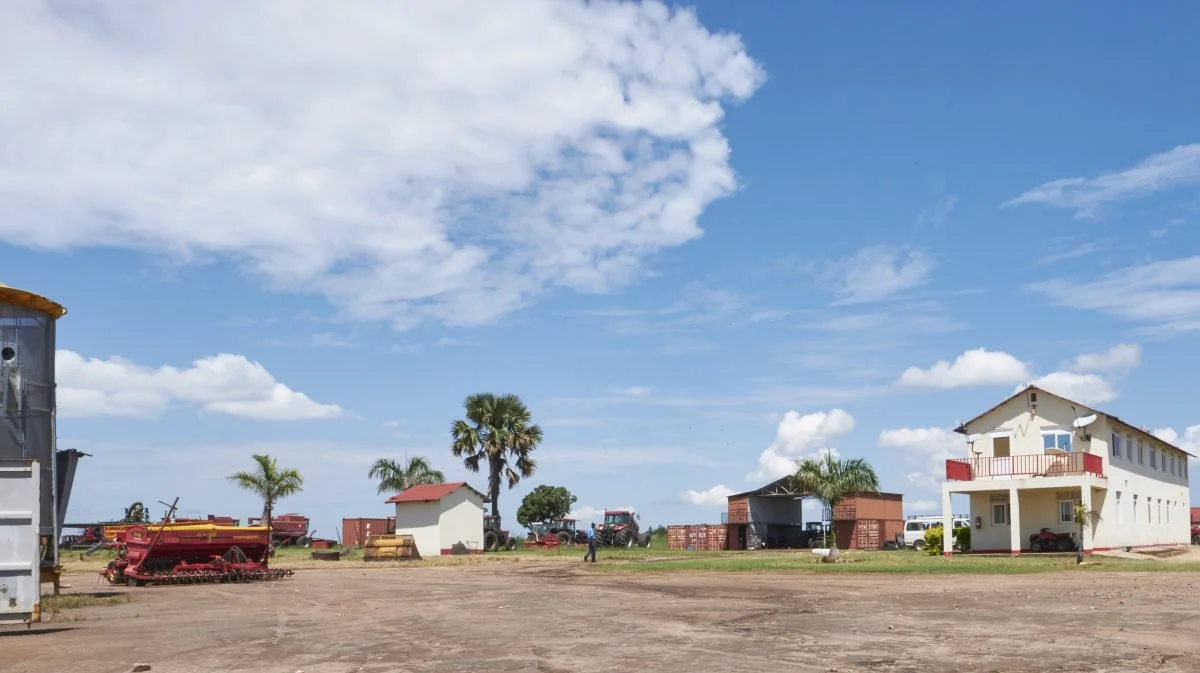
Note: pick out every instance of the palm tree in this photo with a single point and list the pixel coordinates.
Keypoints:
(497, 430)
(270, 482)
(395, 476)
(833, 480)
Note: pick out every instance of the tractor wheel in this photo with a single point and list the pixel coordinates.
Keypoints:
(303, 541)
(623, 538)
(490, 541)
(564, 538)
(512, 544)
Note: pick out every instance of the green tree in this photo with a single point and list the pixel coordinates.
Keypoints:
(395, 476)
(269, 482)
(496, 431)
(545, 502)
(1084, 518)
(833, 480)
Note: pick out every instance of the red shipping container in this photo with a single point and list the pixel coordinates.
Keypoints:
(355, 532)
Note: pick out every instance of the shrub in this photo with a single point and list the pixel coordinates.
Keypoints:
(934, 538)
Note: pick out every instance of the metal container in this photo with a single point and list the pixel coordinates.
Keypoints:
(27, 406)
(356, 532)
(20, 574)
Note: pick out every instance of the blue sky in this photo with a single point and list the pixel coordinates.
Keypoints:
(698, 246)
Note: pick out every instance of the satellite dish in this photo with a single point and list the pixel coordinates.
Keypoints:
(1085, 421)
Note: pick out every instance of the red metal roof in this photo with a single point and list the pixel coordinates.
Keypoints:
(429, 492)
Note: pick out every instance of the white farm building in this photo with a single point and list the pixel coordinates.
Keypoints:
(438, 516)
(1036, 455)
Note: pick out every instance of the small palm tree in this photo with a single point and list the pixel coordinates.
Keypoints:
(833, 480)
(395, 476)
(270, 482)
(496, 430)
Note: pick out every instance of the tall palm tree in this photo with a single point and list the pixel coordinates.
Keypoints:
(395, 476)
(496, 430)
(269, 482)
(833, 480)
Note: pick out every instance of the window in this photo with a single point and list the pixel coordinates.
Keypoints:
(1135, 508)
(1066, 511)
(1149, 511)
(1160, 519)
(1129, 447)
(1172, 465)
(1116, 445)
(1141, 453)
(1169, 505)
(1153, 459)
(1120, 512)
(1000, 512)
(1056, 439)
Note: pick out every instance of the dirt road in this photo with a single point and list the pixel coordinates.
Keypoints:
(560, 617)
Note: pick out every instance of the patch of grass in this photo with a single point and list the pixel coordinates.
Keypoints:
(83, 600)
(885, 563)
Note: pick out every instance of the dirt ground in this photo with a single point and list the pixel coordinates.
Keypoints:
(560, 617)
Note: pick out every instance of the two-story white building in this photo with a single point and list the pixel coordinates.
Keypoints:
(1036, 455)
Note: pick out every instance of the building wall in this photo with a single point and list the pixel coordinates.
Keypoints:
(775, 510)
(883, 506)
(1119, 524)
(461, 520)
(738, 509)
(420, 520)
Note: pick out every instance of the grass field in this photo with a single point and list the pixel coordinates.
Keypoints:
(658, 559)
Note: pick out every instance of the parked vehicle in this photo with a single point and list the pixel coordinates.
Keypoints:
(916, 525)
(620, 529)
(1195, 533)
(1048, 540)
(496, 538)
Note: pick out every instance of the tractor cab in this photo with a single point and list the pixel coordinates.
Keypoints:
(616, 519)
(567, 525)
(538, 529)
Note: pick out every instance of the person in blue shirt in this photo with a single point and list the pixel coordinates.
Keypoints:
(591, 538)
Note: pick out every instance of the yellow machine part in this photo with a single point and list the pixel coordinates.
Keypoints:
(391, 548)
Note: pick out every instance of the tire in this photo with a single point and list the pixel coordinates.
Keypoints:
(490, 541)
(1066, 545)
(1035, 545)
(1196, 539)
(647, 541)
(512, 544)
(623, 538)
(303, 541)
(919, 545)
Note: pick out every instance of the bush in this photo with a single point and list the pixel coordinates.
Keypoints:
(934, 538)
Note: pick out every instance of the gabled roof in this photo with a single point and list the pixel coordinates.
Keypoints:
(430, 492)
(962, 429)
(781, 486)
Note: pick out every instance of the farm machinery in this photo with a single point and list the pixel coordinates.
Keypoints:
(286, 529)
(496, 538)
(621, 529)
(191, 553)
(558, 532)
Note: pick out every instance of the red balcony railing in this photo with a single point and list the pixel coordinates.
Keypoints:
(1026, 465)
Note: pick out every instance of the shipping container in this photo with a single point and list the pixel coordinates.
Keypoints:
(20, 583)
(698, 537)
(1196, 515)
(355, 532)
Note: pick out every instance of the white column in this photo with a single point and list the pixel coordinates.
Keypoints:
(1089, 535)
(1014, 533)
(947, 522)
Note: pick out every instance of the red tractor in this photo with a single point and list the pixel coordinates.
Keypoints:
(620, 529)
(496, 538)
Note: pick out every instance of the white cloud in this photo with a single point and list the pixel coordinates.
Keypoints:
(799, 437)
(928, 448)
(1120, 359)
(1189, 441)
(441, 161)
(716, 496)
(978, 367)
(223, 384)
(1086, 388)
(636, 391)
(876, 273)
(1165, 294)
(1177, 167)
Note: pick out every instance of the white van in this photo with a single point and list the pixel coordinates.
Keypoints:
(915, 527)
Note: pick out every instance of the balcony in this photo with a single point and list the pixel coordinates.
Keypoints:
(1022, 466)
